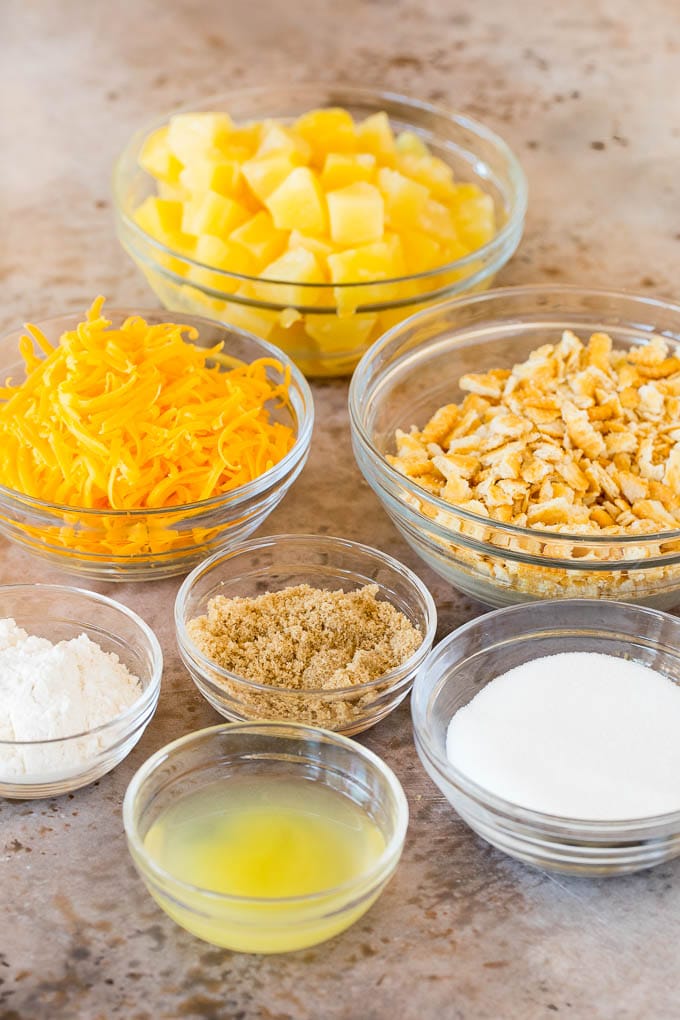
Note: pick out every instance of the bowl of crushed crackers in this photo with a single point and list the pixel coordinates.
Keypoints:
(304, 628)
(526, 442)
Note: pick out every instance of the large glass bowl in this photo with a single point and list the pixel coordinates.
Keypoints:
(236, 752)
(314, 336)
(414, 369)
(469, 658)
(49, 768)
(281, 561)
(95, 543)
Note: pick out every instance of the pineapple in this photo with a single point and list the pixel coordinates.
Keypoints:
(212, 174)
(356, 214)
(299, 266)
(156, 158)
(324, 200)
(261, 238)
(192, 135)
(281, 139)
(405, 200)
(327, 130)
(222, 254)
(212, 213)
(335, 335)
(340, 169)
(375, 135)
(159, 217)
(299, 202)
(265, 173)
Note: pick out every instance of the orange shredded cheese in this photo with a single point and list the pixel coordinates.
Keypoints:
(136, 417)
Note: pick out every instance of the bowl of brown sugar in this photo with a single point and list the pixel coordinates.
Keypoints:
(304, 628)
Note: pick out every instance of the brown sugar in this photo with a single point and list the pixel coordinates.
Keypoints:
(305, 639)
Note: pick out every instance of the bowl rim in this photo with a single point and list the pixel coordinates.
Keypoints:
(234, 497)
(515, 215)
(368, 878)
(391, 338)
(424, 685)
(128, 715)
(390, 679)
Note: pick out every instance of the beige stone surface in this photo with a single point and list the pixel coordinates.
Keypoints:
(587, 92)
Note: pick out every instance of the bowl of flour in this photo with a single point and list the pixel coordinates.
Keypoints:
(79, 681)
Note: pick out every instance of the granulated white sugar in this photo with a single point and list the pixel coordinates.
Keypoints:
(579, 734)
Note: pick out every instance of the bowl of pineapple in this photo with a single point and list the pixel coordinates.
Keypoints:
(317, 217)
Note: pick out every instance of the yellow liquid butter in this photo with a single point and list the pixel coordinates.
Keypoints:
(266, 838)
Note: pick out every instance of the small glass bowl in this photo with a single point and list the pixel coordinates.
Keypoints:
(414, 370)
(236, 751)
(281, 561)
(92, 543)
(322, 342)
(60, 613)
(469, 658)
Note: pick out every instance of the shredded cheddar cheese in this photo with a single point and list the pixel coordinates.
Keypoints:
(135, 418)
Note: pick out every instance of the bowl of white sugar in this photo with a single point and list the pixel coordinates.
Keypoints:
(80, 677)
(554, 731)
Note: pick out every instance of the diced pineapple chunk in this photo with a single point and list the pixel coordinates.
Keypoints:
(327, 130)
(410, 142)
(159, 216)
(337, 336)
(192, 135)
(436, 220)
(341, 169)
(429, 170)
(255, 320)
(421, 252)
(247, 136)
(375, 135)
(261, 238)
(227, 255)
(216, 174)
(319, 245)
(405, 200)
(356, 214)
(281, 139)
(155, 157)
(382, 260)
(265, 173)
(475, 219)
(299, 202)
(378, 261)
(299, 266)
(212, 213)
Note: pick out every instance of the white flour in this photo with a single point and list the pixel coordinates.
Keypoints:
(49, 691)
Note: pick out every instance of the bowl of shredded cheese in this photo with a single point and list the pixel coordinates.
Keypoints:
(526, 442)
(131, 447)
(309, 629)
(80, 676)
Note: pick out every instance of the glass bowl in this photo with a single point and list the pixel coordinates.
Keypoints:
(469, 658)
(311, 332)
(273, 750)
(92, 543)
(48, 768)
(281, 561)
(413, 370)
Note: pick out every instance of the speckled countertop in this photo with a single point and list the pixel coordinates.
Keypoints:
(587, 93)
